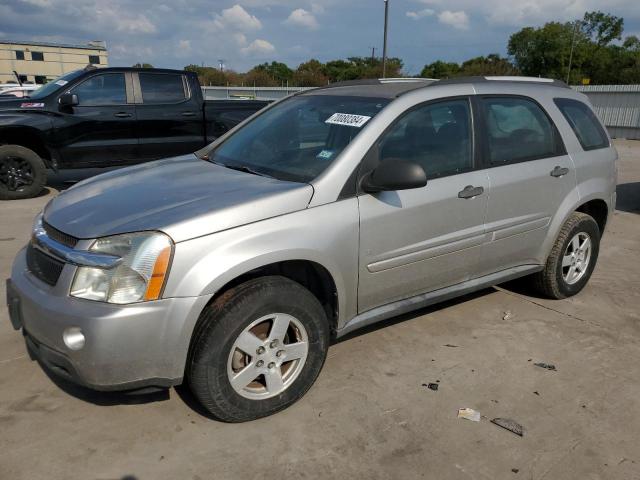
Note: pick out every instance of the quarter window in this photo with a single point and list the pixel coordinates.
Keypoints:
(518, 130)
(584, 123)
(106, 89)
(162, 88)
(19, 54)
(436, 136)
(37, 56)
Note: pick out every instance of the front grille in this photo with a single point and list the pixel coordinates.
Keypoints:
(43, 266)
(58, 236)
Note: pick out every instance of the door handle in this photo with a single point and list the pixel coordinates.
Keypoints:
(122, 115)
(188, 114)
(559, 171)
(470, 191)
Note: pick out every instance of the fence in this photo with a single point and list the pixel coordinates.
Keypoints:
(257, 93)
(618, 106)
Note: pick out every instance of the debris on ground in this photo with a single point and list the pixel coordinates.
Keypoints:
(515, 470)
(548, 366)
(451, 346)
(510, 425)
(536, 393)
(469, 414)
(431, 386)
(507, 315)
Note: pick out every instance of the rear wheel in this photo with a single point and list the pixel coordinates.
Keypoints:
(572, 259)
(22, 173)
(257, 349)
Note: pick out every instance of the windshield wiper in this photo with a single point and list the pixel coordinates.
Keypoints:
(243, 168)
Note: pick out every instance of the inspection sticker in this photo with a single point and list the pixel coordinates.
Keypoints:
(325, 154)
(32, 105)
(62, 83)
(347, 119)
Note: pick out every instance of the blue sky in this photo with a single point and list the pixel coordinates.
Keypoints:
(174, 33)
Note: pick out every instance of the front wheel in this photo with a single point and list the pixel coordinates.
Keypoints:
(257, 349)
(572, 258)
(22, 173)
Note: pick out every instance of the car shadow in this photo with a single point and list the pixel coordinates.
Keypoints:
(413, 314)
(628, 197)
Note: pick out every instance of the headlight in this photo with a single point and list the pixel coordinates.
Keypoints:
(139, 277)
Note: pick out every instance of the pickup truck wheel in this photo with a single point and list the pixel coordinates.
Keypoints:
(22, 173)
(257, 349)
(572, 259)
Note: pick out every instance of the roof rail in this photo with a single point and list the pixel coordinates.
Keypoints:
(376, 81)
(503, 78)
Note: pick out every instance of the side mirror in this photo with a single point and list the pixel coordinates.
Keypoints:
(394, 174)
(68, 100)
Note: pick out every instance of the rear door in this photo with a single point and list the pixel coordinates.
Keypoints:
(101, 129)
(530, 175)
(419, 240)
(170, 116)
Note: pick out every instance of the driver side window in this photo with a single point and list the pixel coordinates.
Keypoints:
(105, 89)
(436, 136)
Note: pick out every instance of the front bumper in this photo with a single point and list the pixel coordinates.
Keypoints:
(126, 346)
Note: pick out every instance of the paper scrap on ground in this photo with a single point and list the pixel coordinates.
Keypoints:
(469, 414)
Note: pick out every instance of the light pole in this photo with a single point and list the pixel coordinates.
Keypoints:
(573, 41)
(384, 47)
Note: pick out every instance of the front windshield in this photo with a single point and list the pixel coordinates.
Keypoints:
(54, 85)
(299, 138)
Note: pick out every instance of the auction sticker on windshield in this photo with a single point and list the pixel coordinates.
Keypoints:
(348, 119)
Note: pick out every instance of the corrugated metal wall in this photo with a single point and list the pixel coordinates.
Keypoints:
(618, 106)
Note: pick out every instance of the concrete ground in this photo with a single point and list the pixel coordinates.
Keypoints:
(369, 415)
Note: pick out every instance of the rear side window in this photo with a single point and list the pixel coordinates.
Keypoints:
(106, 89)
(518, 130)
(162, 87)
(436, 136)
(584, 123)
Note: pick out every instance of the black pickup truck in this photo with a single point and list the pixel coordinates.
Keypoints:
(107, 117)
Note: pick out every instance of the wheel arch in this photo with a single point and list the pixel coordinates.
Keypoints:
(28, 137)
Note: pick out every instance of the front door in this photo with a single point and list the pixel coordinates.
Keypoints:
(420, 240)
(101, 129)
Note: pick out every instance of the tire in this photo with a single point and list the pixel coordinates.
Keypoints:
(22, 173)
(555, 280)
(215, 357)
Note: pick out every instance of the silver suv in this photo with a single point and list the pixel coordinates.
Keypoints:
(330, 210)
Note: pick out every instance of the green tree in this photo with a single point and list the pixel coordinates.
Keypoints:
(492, 64)
(440, 69)
(310, 74)
(278, 71)
(142, 65)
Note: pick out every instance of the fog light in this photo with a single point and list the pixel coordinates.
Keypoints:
(73, 338)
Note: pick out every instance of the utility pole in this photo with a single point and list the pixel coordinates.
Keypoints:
(384, 47)
(373, 54)
(573, 41)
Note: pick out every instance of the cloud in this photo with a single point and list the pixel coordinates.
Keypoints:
(302, 18)
(237, 18)
(458, 19)
(240, 38)
(426, 12)
(258, 48)
(184, 45)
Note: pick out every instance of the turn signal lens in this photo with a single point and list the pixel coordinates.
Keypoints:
(156, 282)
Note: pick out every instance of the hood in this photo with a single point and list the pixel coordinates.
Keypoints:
(185, 197)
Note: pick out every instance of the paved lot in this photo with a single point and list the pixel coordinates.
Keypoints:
(369, 416)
